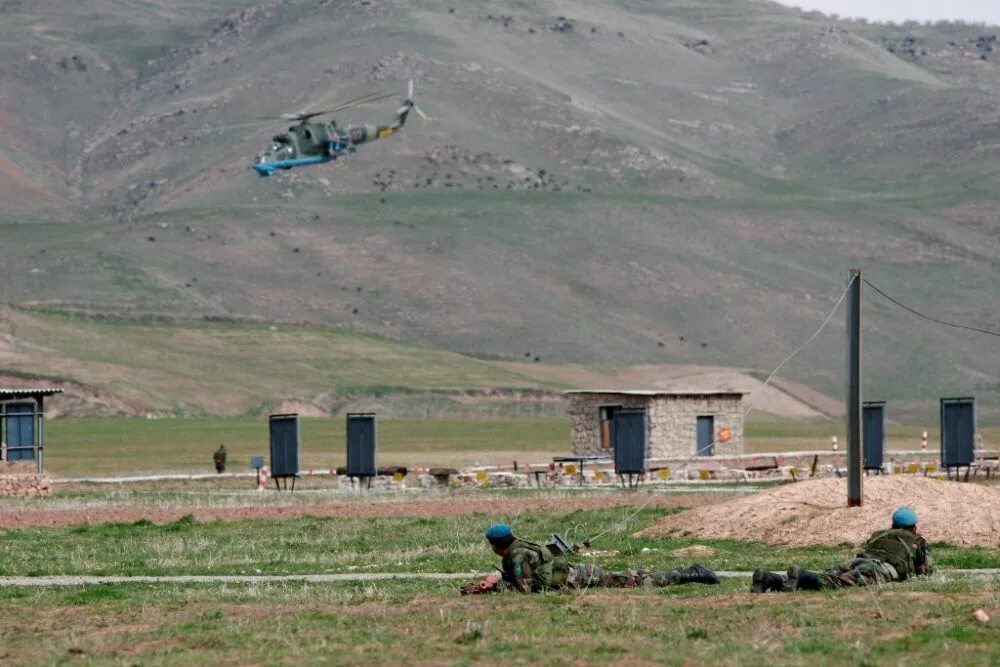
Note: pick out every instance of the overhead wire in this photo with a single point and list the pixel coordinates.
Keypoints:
(788, 358)
(826, 321)
(770, 376)
(927, 317)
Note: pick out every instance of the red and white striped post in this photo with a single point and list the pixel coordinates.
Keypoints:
(923, 441)
(262, 475)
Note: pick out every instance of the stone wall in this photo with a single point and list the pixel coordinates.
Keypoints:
(21, 479)
(585, 423)
(671, 422)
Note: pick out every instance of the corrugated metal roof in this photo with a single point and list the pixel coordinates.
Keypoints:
(659, 392)
(19, 392)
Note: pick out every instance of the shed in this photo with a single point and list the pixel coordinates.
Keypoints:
(22, 420)
(678, 424)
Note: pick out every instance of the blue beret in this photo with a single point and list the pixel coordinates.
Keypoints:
(499, 531)
(904, 517)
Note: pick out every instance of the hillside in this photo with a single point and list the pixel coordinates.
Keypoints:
(110, 367)
(612, 182)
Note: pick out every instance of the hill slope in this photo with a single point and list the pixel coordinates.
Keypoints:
(615, 182)
(113, 367)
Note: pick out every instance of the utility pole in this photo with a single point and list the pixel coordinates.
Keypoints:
(854, 461)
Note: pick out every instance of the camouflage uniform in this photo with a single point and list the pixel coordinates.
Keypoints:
(532, 568)
(219, 459)
(888, 555)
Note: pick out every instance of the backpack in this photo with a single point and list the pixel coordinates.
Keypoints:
(542, 575)
(897, 547)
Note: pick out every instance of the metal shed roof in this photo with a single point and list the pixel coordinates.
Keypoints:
(657, 392)
(9, 393)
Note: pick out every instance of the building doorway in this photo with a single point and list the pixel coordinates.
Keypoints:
(706, 439)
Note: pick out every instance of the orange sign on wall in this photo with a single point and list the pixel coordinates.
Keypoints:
(725, 434)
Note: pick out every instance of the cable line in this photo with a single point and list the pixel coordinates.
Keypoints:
(822, 326)
(928, 317)
(808, 340)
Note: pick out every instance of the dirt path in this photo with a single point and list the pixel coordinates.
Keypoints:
(84, 580)
(492, 506)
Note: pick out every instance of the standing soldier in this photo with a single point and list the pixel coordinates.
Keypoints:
(889, 555)
(531, 568)
(219, 457)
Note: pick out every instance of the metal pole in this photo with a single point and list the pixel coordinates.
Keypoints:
(854, 459)
(41, 438)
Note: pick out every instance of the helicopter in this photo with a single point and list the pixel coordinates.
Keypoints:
(315, 142)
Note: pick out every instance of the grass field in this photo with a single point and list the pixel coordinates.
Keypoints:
(426, 622)
(313, 544)
(109, 446)
(77, 447)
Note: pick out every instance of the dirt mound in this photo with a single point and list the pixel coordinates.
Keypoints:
(301, 408)
(816, 512)
(79, 400)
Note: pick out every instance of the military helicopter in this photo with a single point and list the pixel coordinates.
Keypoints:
(318, 142)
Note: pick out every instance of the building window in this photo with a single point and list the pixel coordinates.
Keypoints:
(606, 416)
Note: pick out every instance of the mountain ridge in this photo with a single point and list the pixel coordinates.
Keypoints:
(620, 183)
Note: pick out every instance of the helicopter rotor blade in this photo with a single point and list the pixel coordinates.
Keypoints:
(409, 90)
(367, 99)
(210, 129)
(364, 99)
(419, 112)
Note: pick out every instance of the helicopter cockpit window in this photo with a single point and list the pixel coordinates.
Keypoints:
(279, 149)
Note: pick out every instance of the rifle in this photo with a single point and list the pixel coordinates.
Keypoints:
(558, 546)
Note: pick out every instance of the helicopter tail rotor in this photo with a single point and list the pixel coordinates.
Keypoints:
(408, 106)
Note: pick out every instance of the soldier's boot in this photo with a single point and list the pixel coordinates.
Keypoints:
(696, 574)
(765, 580)
(800, 579)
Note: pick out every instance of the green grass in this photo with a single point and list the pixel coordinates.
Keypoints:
(776, 436)
(312, 544)
(422, 622)
(77, 447)
(924, 621)
(95, 447)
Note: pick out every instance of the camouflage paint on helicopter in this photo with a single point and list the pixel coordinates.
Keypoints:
(318, 142)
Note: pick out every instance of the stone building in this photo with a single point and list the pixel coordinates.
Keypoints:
(676, 424)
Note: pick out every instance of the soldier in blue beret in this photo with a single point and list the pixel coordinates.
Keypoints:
(889, 555)
(531, 568)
